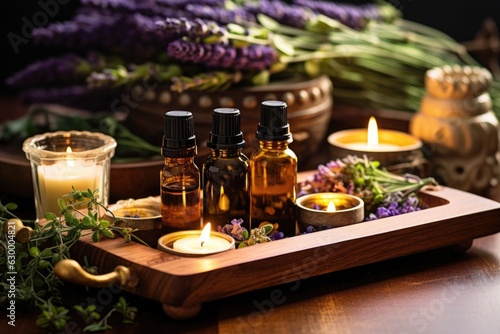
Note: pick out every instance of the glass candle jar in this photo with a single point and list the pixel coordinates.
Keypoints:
(63, 160)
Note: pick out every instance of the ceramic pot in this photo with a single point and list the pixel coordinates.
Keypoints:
(460, 130)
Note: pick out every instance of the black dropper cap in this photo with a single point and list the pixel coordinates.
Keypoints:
(226, 131)
(178, 139)
(273, 123)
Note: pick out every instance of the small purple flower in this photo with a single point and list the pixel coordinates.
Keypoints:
(234, 229)
(277, 236)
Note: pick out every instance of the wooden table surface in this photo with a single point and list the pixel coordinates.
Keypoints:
(438, 291)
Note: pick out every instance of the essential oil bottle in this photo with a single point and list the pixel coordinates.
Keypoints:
(180, 177)
(225, 171)
(273, 171)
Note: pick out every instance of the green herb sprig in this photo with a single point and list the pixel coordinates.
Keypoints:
(36, 284)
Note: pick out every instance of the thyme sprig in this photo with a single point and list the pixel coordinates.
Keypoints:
(36, 284)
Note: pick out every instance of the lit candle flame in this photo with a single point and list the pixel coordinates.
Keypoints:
(372, 132)
(205, 234)
(69, 162)
(331, 207)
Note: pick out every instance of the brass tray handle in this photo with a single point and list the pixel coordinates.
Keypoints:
(72, 271)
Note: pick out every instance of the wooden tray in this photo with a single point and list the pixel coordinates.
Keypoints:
(182, 284)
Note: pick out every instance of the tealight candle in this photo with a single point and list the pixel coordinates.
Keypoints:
(387, 146)
(373, 139)
(196, 243)
(329, 210)
(64, 160)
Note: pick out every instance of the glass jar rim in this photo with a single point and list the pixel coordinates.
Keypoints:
(106, 147)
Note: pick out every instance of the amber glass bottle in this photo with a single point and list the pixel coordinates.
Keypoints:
(180, 177)
(225, 171)
(273, 171)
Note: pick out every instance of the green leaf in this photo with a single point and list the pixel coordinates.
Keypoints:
(312, 67)
(96, 327)
(283, 45)
(323, 24)
(95, 236)
(107, 233)
(34, 251)
(268, 22)
(68, 217)
(11, 206)
(88, 221)
(268, 228)
(42, 322)
(61, 203)
(47, 252)
(236, 28)
(50, 216)
(104, 224)
(260, 79)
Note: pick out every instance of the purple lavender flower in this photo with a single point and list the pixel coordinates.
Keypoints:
(144, 7)
(195, 29)
(220, 14)
(354, 16)
(135, 35)
(312, 229)
(78, 96)
(291, 15)
(179, 3)
(394, 205)
(252, 57)
(234, 229)
(66, 69)
(277, 236)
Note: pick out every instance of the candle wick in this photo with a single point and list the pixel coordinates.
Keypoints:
(202, 244)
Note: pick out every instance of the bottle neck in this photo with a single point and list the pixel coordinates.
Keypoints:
(274, 144)
(169, 161)
(227, 152)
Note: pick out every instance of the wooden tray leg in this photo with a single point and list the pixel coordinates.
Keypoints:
(463, 246)
(182, 312)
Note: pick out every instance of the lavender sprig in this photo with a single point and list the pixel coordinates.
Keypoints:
(67, 69)
(290, 15)
(354, 16)
(120, 75)
(77, 96)
(147, 8)
(211, 81)
(135, 36)
(394, 205)
(194, 29)
(363, 178)
(221, 15)
(252, 57)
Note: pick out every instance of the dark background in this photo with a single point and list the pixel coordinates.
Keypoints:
(459, 19)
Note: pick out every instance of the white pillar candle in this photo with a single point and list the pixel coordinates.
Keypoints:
(58, 179)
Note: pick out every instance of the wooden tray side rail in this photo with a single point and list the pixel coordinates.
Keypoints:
(186, 283)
